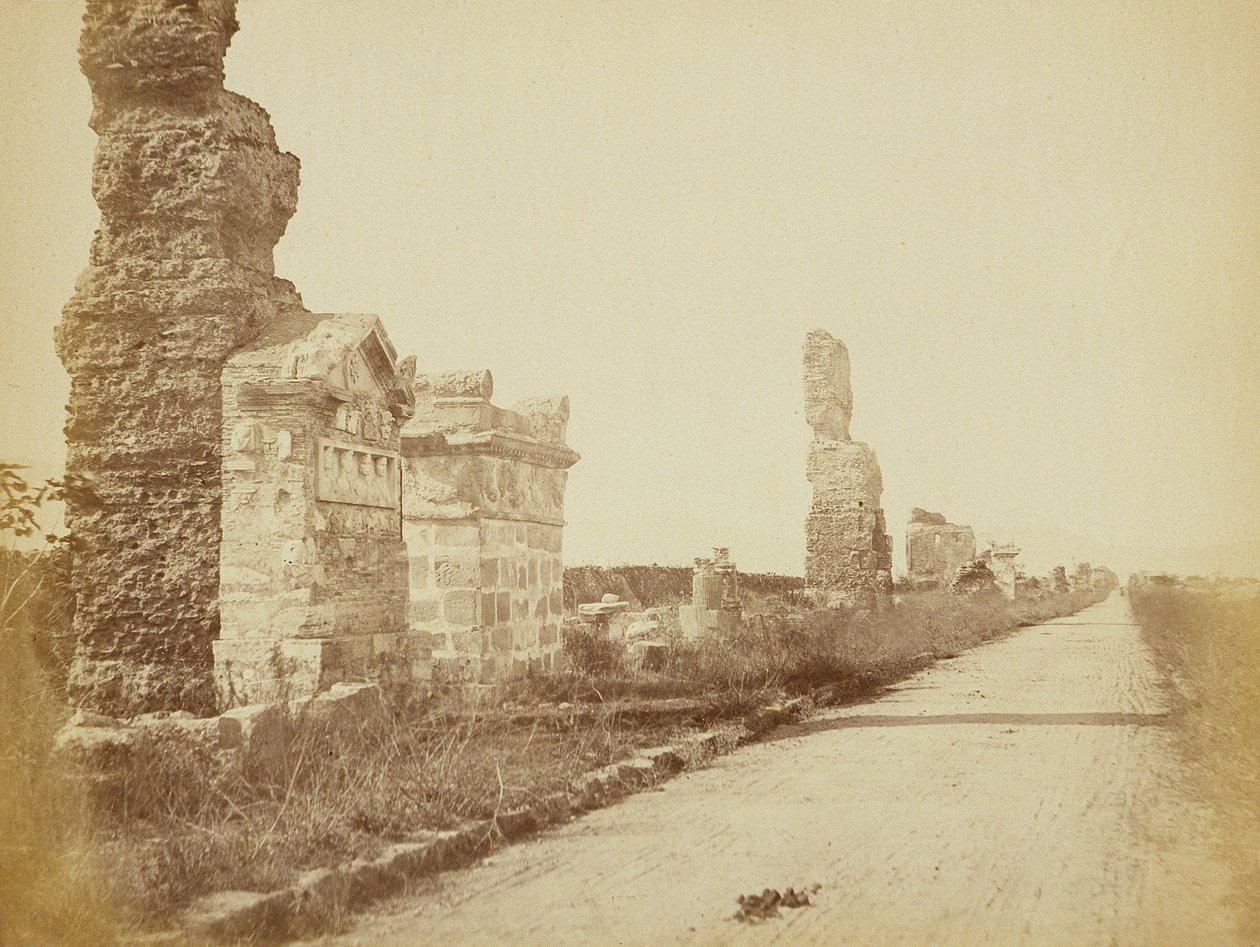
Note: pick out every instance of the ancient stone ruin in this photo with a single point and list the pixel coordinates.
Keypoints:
(1001, 558)
(848, 554)
(193, 196)
(313, 571)
(935, 548)
(283, 503)
(715, 603)
(483, 518)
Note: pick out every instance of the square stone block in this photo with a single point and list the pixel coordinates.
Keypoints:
(459, 606)
(457, 570)
(421, 612)
(417, 534)
(489, 573)
(459, 535)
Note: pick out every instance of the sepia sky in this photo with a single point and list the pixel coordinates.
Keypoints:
(1036, 226)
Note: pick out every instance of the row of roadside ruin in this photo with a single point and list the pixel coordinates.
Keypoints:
(282, 502)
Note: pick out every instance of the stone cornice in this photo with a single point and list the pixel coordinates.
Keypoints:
(490, 444)
(477, 513)
(255, 393)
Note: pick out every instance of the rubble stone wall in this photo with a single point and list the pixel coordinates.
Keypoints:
(194, 195)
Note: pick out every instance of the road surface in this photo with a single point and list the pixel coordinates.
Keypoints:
(1023, 793)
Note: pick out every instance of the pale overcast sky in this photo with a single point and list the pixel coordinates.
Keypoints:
(1035, 225)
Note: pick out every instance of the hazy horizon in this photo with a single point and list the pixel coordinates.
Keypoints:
(1034, 227)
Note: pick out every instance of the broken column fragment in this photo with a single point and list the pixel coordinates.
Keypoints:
(848, 554)
(716, 607)
(194, 195)
(935, 548)
(483, 521)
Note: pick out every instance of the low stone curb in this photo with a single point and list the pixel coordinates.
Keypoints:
(232, 915)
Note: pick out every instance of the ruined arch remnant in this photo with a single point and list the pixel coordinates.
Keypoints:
(848, 555)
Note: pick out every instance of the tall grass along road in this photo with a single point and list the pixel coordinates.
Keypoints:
(1026, 792)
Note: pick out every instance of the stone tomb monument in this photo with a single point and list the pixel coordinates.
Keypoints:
(483, 518)
(935, 548)
(313, 571)
(848, 554)
(247, 454)
(1002, 556)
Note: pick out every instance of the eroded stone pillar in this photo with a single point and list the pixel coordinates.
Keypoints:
(848, 554)
(194, 195)
(716, 607)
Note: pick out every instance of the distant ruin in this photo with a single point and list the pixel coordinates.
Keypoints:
(935, 548)
(269, 520)
(848, 554)
(1001, 557)
(715, 606)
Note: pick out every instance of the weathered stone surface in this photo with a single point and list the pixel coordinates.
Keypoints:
(715, 602)
(483, 520)
(921, 517)
(314, 573)
(974, 578)
(935, 548)
(848, 554)
(193, 194)
(1001, 560)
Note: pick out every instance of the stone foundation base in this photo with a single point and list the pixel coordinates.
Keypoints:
(697, 622)
(254, 670)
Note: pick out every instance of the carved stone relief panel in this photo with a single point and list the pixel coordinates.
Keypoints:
(350, 473)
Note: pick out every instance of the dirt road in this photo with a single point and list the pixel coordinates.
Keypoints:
(1022, 793)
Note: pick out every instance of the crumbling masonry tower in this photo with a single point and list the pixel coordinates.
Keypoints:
(194, 195)
(848, 555)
